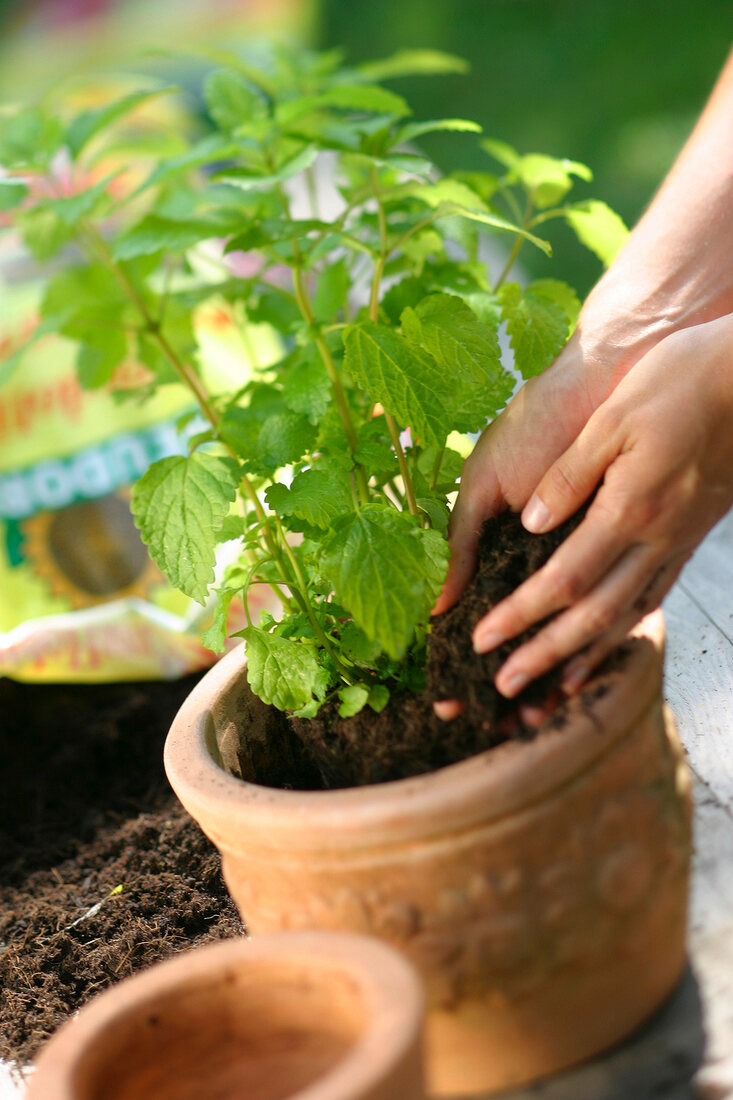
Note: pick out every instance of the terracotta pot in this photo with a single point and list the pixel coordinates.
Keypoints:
(540, 888)
(309, 1015)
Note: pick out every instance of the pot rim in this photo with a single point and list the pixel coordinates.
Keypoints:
(392, 994)
(482, 789)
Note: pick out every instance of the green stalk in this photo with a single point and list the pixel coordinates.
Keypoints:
(303, 588)
(394, 433)
(518, 242)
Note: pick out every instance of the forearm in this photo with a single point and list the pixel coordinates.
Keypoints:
(675, 269)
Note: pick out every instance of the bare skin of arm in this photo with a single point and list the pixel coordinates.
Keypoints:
(646, 324)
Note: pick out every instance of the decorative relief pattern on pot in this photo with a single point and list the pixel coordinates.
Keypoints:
(488, 920)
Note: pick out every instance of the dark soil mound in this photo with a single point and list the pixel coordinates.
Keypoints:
(85, 808)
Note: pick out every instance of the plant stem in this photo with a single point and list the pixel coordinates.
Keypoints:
(302, 591)
(436, 467)
(394, 433)
(337, 388)
(518, 242)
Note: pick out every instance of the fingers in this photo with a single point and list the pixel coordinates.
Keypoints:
(580, 668)
(572, 478)
(447, 709)
(596, 623)
(585, 556)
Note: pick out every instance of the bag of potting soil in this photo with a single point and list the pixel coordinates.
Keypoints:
(80, 599)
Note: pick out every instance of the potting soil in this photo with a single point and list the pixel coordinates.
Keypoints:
(101, 870)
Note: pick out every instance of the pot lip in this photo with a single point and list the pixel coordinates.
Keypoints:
(391, 992)
(482, 789)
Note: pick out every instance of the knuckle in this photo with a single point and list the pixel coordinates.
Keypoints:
(598, 618)
(565, 587)
(611, 513)
(561, 481)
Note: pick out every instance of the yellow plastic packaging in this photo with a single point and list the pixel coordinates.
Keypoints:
(80, 599)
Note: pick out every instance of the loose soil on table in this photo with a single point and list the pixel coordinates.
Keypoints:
(85, 808)
(407, 738)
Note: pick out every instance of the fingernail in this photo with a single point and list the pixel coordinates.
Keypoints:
(485, 640)
(574, 678)
(512, 685)
(447, 709)
(536, 516)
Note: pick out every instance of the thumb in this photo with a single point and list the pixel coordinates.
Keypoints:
(571, 479)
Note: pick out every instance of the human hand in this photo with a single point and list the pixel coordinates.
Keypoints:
(662, 444)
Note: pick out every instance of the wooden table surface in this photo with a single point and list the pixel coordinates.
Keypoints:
(687, 1051)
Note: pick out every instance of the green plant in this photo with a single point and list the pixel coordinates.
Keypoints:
(390, 339)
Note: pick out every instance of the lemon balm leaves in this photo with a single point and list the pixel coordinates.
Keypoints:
(387, 571)
(179, 506)
(537, 325)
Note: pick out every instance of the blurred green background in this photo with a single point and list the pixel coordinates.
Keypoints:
(614, 83)
(617, 84)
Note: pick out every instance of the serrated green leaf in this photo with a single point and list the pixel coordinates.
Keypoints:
(353, 699)
(271, 230)
(158, 234)
(416, 129)
(446, 327)
(99, 356)
(378, 698)
(467, 351)
(451, 464)
(232, 528)
(316, 496)
(306, 387)
(349, 97)
(212, 148)
(29, 138)
(249, 181)
(283, 672)
(405, 381)
(331, 291)
(43, 231)
(413, 63)
(548, 179)
(501, 151)
(283, 439)
(355, 645)
(179, 506)
(422, 245)
(495, 222)
(537, 326)
(12, 193)
(407, 292)
(437, 512)
(383, 570)
(559, 292)
(598, 227)
(214, 637)
(89, 123)
(441, 192)
(374, 450)
(230, 99)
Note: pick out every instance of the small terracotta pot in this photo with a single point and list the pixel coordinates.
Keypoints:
(540, 888)
(304, 1015)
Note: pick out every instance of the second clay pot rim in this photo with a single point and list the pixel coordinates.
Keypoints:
(393, 997)
(482, 789)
